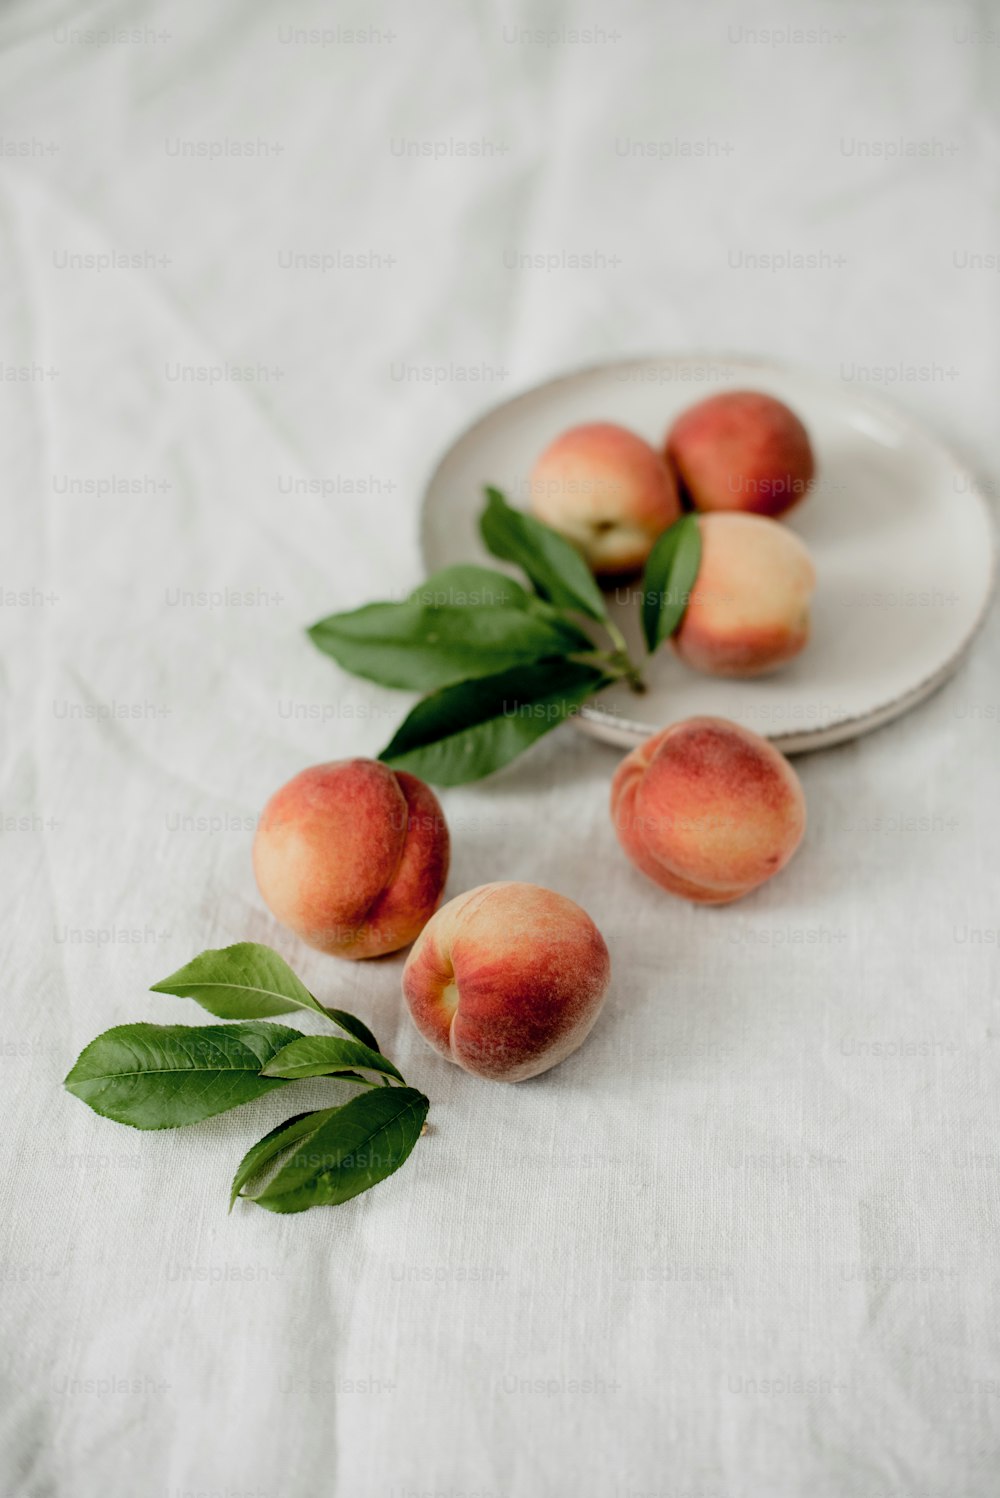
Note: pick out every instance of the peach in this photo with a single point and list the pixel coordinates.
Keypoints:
(352, 856)
(608, 492)
(507, 980)
(749, 607)
(708, 810)
(741, 450)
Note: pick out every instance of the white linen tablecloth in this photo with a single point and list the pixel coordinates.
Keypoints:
(743, 1243)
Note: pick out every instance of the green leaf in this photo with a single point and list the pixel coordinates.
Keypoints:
(248, 981)
(245, 981)
(326, 1055)
(467, 585)
(353, 1026)
(555, 567)
(421, 646)
(359, 1145)
(275, 1143)
(162, 1076)
(467, 731)
(670, 574)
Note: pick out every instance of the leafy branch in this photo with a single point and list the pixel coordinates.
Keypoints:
(503, 664)
(164, 1076)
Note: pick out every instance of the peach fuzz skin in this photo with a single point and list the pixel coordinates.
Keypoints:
(749, 608)
(708, 810)
(353, 857)
(608, 492)
(741, 450)
(507, 980)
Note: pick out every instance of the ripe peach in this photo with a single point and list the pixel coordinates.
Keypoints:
(507, 980)
(352, 856)
(608, 492)
(707, 809)
(741, 450)
(749, 606)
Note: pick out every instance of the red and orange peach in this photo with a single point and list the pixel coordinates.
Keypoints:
(507, 980)
(741, 450)
(607, 491)
(352, 856)
(749, 606)
(708, 810)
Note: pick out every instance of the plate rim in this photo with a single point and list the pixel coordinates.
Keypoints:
(628, 733)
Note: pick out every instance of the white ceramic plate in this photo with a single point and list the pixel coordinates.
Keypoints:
(900, 532)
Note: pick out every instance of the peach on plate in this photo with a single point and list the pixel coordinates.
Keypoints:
(708, 810)
(608, 491)
(749, 607)
(352, 856)
(507, 980)
(741, 450)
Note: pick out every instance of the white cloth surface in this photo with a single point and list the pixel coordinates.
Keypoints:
(743, 1243)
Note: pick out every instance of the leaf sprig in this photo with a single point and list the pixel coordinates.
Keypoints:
(163, 1076)
(503, 664)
